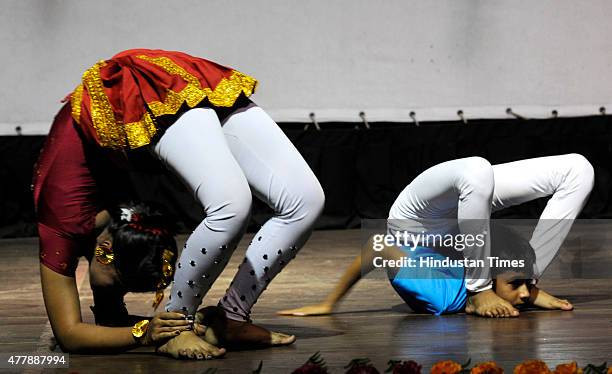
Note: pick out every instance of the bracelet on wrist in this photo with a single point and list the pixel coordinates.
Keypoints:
(139, 330)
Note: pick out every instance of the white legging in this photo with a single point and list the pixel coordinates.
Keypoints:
(219, 164)
(469, 189)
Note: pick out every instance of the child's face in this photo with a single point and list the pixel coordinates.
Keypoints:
(513, 287)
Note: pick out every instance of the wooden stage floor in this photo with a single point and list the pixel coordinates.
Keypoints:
(372, 322)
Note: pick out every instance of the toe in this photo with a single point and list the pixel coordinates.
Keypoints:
(215, 352)
(278, 338)
(565, 305)
(208, 354)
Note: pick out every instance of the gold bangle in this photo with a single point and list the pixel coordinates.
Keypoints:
(140, 329)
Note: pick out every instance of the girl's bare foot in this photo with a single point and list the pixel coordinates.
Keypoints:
(189, 345)
(308, 310)
(217, 329)
(545, 300)
(488, 304)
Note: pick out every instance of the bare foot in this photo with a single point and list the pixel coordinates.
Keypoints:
(216, 328)
(308, 310)
(545, 300)
(488, 304)
(189, 345)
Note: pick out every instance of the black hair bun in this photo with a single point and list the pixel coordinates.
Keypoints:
(143, 215)
(141, 233)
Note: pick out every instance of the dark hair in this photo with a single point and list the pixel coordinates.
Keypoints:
(508, 245)
(141, 232)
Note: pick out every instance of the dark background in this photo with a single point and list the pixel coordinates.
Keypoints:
(361, 170)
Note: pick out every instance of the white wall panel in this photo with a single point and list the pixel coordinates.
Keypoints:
(335, 58)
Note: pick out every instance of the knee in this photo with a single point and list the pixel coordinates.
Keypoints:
(581, 170)
(230, 206)
(304, 201)
(314, 199)
(240, 206)
(477, 175)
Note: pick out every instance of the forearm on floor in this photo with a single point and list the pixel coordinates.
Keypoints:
(361, 266)
(346, 282)
(88, 338)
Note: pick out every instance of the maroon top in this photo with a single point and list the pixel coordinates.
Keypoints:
(65, 197)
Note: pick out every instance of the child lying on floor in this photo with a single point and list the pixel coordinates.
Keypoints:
(437, 290)
(463, 193)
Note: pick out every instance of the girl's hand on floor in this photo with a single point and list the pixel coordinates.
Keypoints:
(164, 326)
(308, 310)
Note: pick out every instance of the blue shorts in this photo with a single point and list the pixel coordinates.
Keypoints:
(430, 290)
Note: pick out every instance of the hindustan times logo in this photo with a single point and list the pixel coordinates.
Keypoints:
(446, 262)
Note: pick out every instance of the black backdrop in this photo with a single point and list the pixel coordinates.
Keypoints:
(361, 170)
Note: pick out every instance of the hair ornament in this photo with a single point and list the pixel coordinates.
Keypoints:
(126, 214)
(166, 278)
(151, 230)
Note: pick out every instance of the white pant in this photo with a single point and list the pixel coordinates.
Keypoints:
(469, 189)
(219, 164)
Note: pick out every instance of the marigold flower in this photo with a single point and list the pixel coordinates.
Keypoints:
(569, 368)
(446, 367)
(532, 367)
(489, 367)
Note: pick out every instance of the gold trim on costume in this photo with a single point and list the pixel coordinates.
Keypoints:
(224, 95)
(113, 134)
(171, 68)
(140, 133)
(75, 102)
